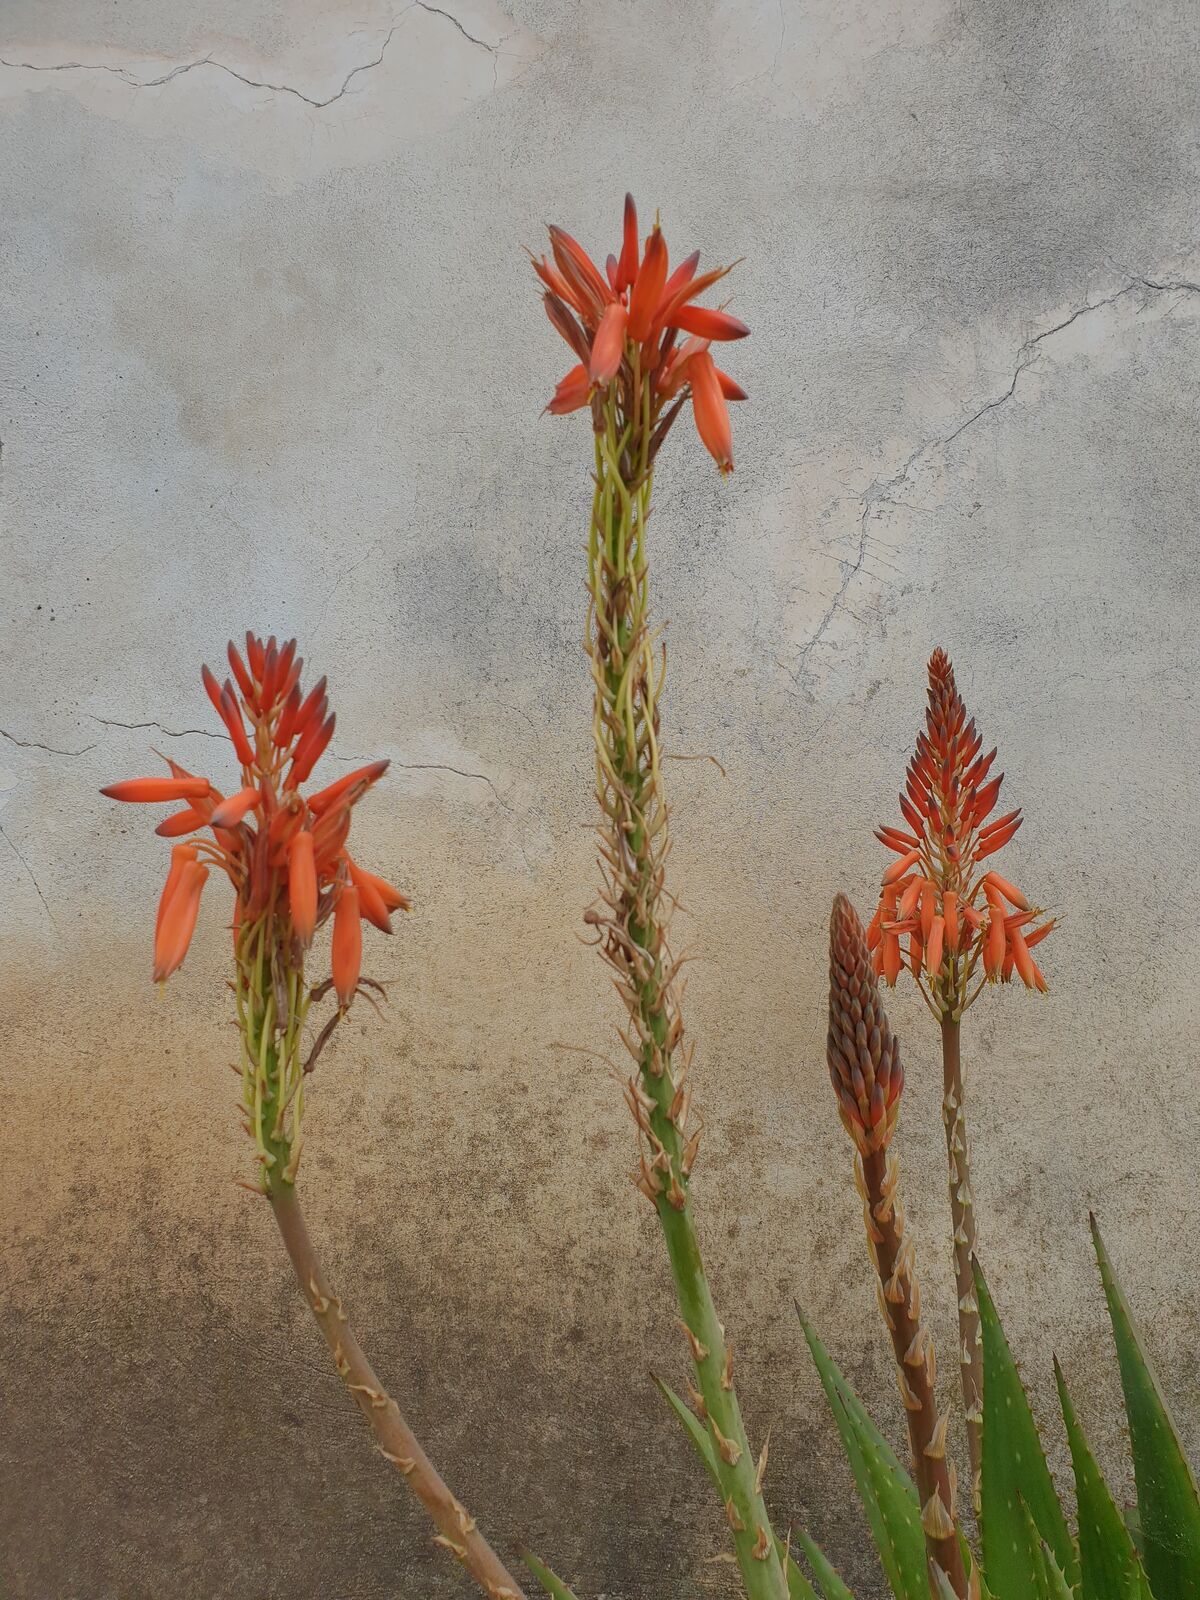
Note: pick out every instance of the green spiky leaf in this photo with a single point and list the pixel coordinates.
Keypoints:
(831, 1585)
(1168, 1506)
(799, 1587)
(693, 1427)
(1014, 1473)
(1109, 1565)
(1054, 1585)
(885, 1489)
(553, 1586)
(1048, 1581)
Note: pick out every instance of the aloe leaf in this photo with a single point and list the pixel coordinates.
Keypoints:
(1108, 1562)
(831, 1585)
(1015, 1474)
(693, 1427)
(1168, 1505)
(552, 1585)
(799, 1587)
(885, 1489)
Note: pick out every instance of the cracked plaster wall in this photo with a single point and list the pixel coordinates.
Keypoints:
(272, 358)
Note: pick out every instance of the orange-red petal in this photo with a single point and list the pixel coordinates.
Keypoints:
(730, 388)
(609, 345)
(230, 812)
(572, 392)
(365, 776)
(182, 822)
(150, 791)
(302, 886)
(710, 411)
(177, 920)
(392, 898)
(899, 868)
(628, 264)
(933, 946)
(891, 958)
(369, 899)
(707, 323)
(648, 287)
(347, 944)
(1010, 892)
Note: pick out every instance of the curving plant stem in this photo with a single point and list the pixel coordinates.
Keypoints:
(397, 1442)
(962, 1215)
(632, 919)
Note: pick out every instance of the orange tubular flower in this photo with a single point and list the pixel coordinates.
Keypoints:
(286, 858)
(624, 327)
(956, 915)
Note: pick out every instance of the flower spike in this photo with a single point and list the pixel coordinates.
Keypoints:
(622, 329)
(961, 926)
(286, 859)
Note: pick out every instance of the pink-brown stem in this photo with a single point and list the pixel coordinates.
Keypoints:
(397, 1442)
(962, 1215)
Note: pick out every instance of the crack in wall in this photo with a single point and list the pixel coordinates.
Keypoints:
(33, 744)
(29, 872)
(435, 766)
(255, 83)
(882, 491)
(170, 733)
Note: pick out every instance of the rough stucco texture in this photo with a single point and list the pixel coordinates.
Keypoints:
(272, 358)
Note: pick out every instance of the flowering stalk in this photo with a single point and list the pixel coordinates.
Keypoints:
(864, 1065)
(286, 858)
(623, 326)
(957, 925)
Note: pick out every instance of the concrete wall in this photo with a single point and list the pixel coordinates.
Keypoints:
(272, 358)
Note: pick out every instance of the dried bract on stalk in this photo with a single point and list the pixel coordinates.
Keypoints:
(864, 1065)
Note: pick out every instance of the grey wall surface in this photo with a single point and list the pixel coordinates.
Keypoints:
(272, 358)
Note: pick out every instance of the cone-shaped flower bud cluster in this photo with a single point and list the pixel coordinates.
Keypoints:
(864, 1058)
(625, 324)
(942, 912)
(864, 1064)
(285, 854)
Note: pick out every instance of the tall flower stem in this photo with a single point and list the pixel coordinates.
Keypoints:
(962, 1213)
(868, 1078)
(633, 917)
(397, 1442)
(877, 1175)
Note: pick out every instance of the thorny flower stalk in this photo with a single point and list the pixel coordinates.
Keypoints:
(957, 925)
(623, 326)
(285, 855)
(864, 1065)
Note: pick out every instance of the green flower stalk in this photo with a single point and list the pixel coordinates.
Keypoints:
(635, 378)
(958, 925)
(285, 855)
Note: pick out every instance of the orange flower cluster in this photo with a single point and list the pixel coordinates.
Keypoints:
(284, 854)
(624, 324)
(955, 914)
